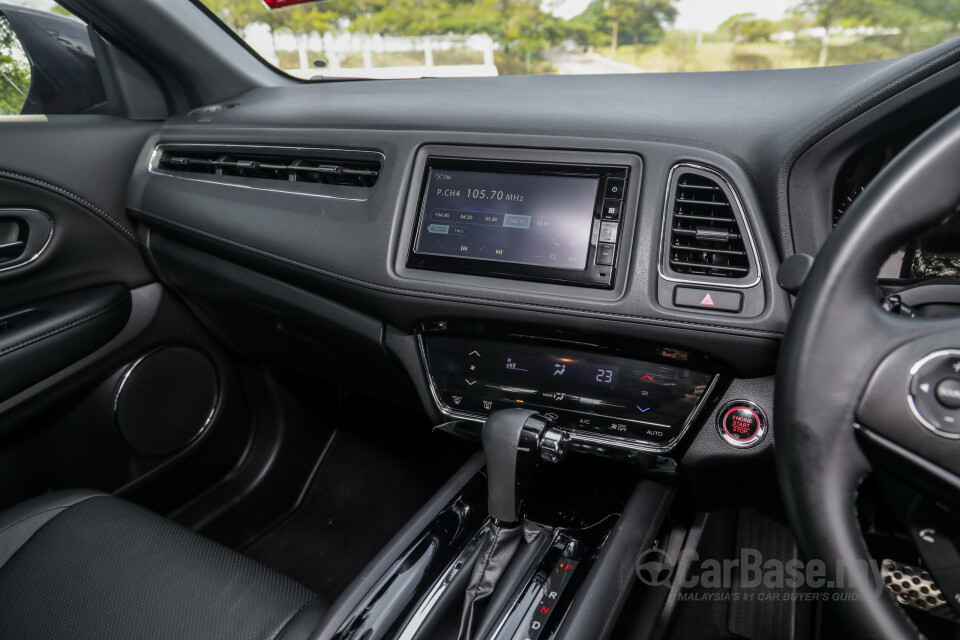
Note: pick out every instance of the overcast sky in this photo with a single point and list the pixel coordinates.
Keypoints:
(701, 15)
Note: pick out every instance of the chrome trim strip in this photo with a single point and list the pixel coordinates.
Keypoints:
(713, 282)
(523, 587)
(153, 165)
(590, 437)
(914, 370)
(761, 429)
(206, 423)
(429, 601)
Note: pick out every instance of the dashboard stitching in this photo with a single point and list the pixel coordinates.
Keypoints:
(78, 199)
(420, 294)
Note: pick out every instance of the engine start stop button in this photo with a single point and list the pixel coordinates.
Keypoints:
(741, 423)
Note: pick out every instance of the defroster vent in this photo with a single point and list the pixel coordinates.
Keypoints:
(705, 227)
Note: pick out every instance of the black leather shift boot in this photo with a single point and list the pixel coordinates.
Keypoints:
(498, 549)
(493, 568)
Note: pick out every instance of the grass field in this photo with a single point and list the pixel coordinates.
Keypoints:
(679, 52)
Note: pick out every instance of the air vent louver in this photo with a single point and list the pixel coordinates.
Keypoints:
(284, 167)
(705, 236)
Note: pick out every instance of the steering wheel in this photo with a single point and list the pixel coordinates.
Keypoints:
(857, 386)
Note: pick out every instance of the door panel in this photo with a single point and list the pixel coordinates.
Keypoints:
(74, 170)
(40, 339)
(79, 316)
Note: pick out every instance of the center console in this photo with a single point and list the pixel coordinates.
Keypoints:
(535, 543)
(521, 548)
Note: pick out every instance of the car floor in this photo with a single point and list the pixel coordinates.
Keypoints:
(372, 479)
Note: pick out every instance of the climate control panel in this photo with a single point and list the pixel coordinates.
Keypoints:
(608, 395)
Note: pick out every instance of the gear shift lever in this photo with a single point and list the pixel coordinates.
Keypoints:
(511, 438)
(511, 443)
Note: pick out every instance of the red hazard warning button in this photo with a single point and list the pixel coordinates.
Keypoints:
(711, 299)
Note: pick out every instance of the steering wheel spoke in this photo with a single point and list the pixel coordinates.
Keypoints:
(913, 397)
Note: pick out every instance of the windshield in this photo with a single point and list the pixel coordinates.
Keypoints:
(471, 38)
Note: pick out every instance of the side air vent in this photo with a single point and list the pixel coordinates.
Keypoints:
(266, 163)
(705, 234)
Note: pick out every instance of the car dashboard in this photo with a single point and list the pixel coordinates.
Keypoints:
(607, 252)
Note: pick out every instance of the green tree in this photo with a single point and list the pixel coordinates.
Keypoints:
(414, 17)
(648, 18)
(913, 18)
(643, 20)
(828, 14)
(237, 14)
(14, 71)
(521, 27)
(525, 30)
(746, 27)
(303, 21)
(618, 12)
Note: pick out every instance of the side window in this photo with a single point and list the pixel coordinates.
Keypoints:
(14, 69)
(47, 64)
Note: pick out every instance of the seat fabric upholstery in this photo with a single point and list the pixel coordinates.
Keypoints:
(84, 566)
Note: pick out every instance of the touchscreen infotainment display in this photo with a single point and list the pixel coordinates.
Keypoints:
(542, 220)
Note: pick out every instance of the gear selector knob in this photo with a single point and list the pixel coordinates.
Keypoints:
(511, 439)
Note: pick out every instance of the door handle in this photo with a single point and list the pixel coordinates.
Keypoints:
(12, 250)
(24, 236)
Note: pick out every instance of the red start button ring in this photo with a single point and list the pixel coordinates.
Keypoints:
(741, 423)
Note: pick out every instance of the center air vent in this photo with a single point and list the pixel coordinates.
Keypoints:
(706, 230)
(286, 165)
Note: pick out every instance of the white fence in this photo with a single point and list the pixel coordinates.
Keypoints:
(377, 56)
